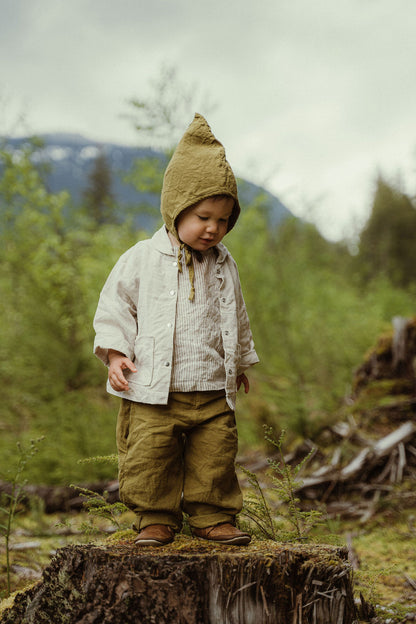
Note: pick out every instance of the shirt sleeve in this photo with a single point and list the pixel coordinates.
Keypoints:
(115, 321)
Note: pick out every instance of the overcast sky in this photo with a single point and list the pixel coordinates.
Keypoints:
(312, 97)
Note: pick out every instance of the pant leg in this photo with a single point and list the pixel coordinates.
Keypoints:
(150, 463)
(211, 490)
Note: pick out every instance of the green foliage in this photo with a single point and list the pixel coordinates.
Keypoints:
(257, 509)
(83, 424)
(312, 320)
(98, 197)
(387, 241)
(100, 458)
(285, 483)
(147, 176)
(40, 272)
(53, 263)
(11, 501)
(98, 506)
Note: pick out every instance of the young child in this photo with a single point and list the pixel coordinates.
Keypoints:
(172, 327)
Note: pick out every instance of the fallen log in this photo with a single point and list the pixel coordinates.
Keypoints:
(356, 489)
(57, 498)
(190, 582)
(369, 457)
(391, 448)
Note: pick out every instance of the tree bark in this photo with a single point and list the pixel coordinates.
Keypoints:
(190, 582)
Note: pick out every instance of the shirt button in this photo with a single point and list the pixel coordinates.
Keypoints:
(218, 271)
(171, 292)
(226, 332)
(174, 264)
(223, 299)
(230, 372)
(169, 324)
(167, 363)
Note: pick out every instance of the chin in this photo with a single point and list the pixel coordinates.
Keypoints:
(206, 245)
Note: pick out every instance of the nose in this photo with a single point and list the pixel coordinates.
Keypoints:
(212, 226)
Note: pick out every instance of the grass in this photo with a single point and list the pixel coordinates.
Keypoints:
(386, 551)
(387, 554)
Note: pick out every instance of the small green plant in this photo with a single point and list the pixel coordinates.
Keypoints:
(285, 483)
(98, 506)
(100, 459)
(257, 509)
(9, 511)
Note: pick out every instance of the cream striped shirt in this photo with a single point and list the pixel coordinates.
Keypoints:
(198, 356)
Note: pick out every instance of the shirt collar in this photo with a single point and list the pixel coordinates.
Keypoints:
(161, 241)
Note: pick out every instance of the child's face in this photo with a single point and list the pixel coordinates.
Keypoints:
(206, 224)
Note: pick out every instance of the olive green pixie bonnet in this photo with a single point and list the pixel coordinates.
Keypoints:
(197, 170)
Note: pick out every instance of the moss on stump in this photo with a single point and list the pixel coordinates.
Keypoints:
(190, 582)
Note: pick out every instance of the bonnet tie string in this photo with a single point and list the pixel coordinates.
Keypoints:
(189, 263)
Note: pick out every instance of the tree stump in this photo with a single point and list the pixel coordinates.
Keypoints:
(190, 582)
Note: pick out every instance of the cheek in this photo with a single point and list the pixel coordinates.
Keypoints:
(179, 229)
(186, 229)
(182, 229)
(224, 229)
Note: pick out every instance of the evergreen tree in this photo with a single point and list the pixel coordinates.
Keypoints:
(387, 241)
(98, 195)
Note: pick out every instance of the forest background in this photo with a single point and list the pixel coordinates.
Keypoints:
(315, 307)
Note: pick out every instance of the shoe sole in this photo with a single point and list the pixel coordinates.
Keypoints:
(233, 541)
(151, 542)
(236, 541)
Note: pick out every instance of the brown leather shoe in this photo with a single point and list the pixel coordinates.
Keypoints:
(155, 535)
(224, 533)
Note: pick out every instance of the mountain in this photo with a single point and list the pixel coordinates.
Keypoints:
(70, 158)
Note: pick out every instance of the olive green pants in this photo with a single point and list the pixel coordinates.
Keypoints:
(179, 457)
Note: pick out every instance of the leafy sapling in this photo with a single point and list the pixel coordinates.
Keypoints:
(257, 509)
(98, 506)
(10, 500)
(285, 483)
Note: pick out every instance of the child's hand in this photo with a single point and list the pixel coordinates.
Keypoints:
(242, 379)
(118, 363)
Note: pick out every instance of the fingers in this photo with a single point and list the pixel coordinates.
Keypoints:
(118, 382)
(242, 379)
(115, 373)
(129, 364)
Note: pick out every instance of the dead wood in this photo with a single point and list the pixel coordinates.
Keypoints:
(61, 498)
(190, 582)
(374, 471)
(391, 359)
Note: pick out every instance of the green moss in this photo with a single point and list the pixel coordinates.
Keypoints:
(376, 391)
(122, 536)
